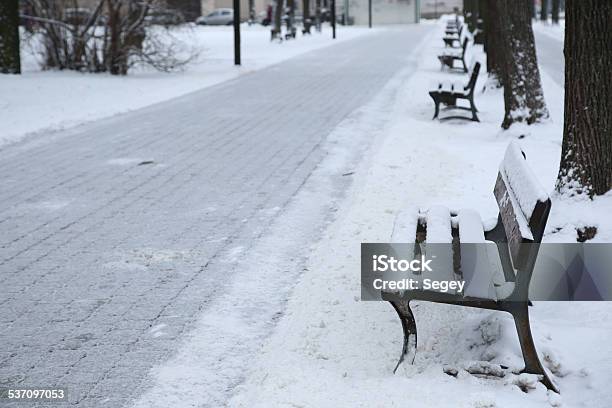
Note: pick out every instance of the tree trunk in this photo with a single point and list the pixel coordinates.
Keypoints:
(555, 11)
(544, 10)
(113, 57)
(318, 14)
(278, 14)
(495, 41)
(532, 9)
(306, 16)
(290, 15)
(483, 7)
(586, 156)
(523, 95)
(470, 12)
(10, 62)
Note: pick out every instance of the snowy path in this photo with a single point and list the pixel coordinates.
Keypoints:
(116, 235)
(550, 55)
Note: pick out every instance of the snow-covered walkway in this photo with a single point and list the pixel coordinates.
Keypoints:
(117, 235)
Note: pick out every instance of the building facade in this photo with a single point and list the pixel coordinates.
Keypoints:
(383, 11)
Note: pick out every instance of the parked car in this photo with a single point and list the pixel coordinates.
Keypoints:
(222, 16)
(164, 17)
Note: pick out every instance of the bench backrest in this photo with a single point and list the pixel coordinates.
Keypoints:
(464, 45)
(524, 206)
(475, 70)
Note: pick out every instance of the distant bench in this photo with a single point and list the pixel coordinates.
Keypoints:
(447, 93)
(451, 39)
(448, 57)
(497, 270)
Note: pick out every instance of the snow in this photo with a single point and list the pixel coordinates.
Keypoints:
(404, 229)
(43, 101)
(439, 225)
(470, 226)
(330, 350)
(308, 340)
(524, 184)
(556, 32)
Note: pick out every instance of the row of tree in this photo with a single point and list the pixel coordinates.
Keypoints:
(586, 158)
(555, 7)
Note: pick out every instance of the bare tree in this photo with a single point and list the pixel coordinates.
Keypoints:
(318, 15)
(306, 16)
(556, 4)
(113, 37)
(10, 62)
(544, 10)
(520, 75)
(495, 40)
(278, 14)
(586, 156)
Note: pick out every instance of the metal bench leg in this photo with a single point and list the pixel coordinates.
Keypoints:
(465, 68)
(410, 331)
(520, 313)
(474, 110)
(437, 104)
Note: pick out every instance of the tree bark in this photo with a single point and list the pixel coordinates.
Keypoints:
(586, 156)
(10, 62)
(544, 10)
(555, 11)
(306, 16)
(278, 14)
(495, 41)
(484, 11)
(520, 76)
(470, 12)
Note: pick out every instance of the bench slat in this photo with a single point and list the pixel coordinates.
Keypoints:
(405, 226)
(439, 232)
(475, 265)
(470, 226)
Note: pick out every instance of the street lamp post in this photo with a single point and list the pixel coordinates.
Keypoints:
(333, 18)
(236, 32)
(370, 13)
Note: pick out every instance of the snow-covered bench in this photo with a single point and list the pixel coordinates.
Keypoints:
(447, 93)
(495, 264)
(448, 57)
(453, 40)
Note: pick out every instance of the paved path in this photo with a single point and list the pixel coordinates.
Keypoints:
(109, 232)
(550, 56)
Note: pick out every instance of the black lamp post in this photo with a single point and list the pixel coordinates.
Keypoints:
(236, 32)
(333, 18)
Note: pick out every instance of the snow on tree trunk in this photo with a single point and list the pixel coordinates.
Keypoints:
(586, 157)
(523, 95)
(9, 37)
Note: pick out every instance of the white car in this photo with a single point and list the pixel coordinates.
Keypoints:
(222, 16)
